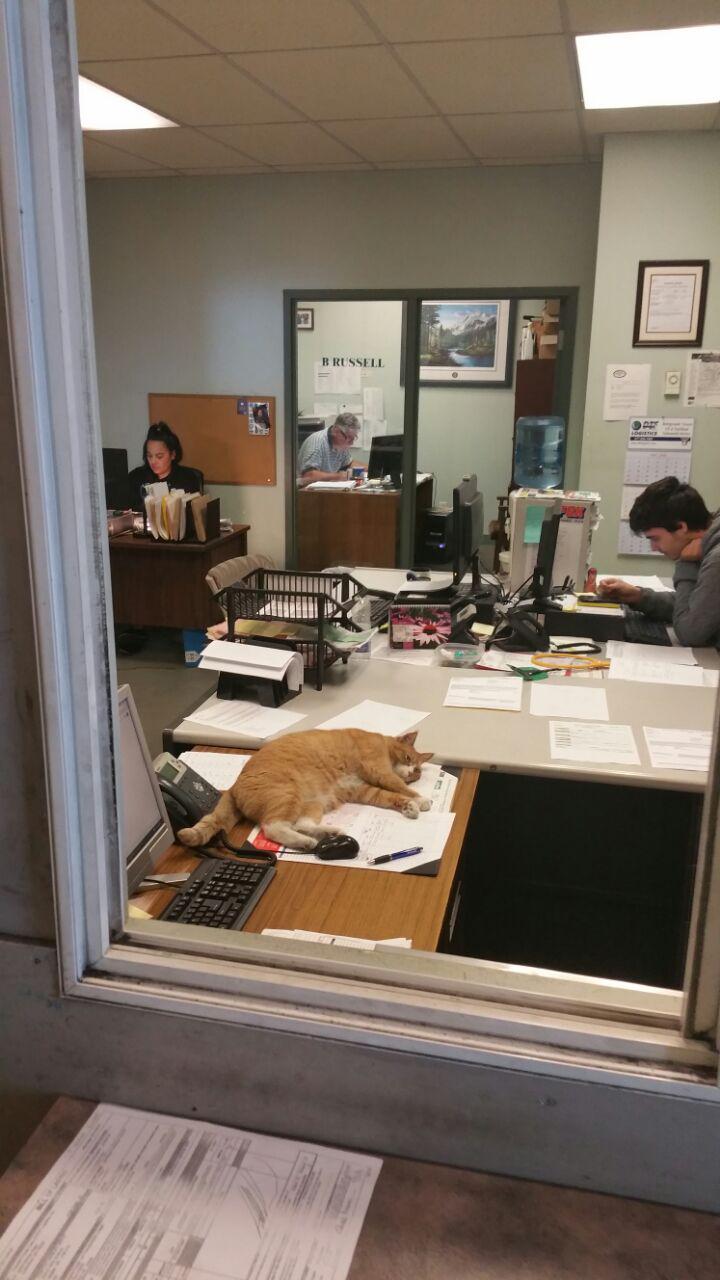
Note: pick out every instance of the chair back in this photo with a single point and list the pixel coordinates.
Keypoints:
(199, 477)
(229, 571)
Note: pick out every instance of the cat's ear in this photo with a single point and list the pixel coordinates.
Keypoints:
(408, 739)
(425, 755)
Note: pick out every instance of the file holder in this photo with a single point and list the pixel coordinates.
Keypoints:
(251, 688)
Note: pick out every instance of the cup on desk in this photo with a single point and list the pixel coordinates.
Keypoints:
(358, 474)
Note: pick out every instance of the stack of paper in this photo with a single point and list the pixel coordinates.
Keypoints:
(259, 661)
(331, 484)
(167, 512)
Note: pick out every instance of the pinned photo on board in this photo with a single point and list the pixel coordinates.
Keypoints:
(259, 418)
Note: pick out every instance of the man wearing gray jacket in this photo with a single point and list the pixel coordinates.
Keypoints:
(674, 519)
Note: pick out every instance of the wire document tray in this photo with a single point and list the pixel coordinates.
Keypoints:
(290, 609)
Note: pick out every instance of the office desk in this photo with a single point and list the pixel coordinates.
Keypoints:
(359, 904)
(162, 584)
(352, 526)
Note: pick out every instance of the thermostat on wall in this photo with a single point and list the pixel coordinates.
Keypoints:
(672, 383)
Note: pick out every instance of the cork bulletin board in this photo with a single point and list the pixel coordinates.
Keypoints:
(230, 438)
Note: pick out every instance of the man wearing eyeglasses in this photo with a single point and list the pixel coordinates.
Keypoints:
(325, 455)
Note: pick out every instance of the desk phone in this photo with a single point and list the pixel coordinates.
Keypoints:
(187, 796)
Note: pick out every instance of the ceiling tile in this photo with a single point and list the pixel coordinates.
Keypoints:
(257, 25)
(427, 138)
(284, 143)
(639, 15)
(429, 164)
(128, 29)
(547, 133)
(183, 149)
(527, 74)
(463, 19)
(101, 157)
(205, 90)
(323, 168)
(650, 119)
(339, 84)
(543, 161)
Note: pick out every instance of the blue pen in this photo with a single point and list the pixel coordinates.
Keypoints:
(390, 857)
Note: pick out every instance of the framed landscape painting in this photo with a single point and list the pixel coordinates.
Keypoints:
(466, 343)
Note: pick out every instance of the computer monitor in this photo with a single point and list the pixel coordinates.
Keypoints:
(115, 470)
(144, 827)
(542, 579)
(386, 459)
(467, 529)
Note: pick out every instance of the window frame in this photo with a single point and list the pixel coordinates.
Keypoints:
(583, 1031)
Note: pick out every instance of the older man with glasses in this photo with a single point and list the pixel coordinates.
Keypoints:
(325, 455)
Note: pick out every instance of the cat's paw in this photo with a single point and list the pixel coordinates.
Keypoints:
(423, 804)
(190, 836)
(410, 809)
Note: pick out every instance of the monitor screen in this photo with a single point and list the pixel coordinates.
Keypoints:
(144, 828)
(115, 472)
(467, 528)
(542, 580)
(386, 458)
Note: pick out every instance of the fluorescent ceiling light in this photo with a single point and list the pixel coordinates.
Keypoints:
(650, 68)
(102, 109)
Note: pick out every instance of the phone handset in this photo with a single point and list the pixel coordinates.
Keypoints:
(187, 796)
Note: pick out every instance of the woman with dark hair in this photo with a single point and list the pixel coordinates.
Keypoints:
(162, 454)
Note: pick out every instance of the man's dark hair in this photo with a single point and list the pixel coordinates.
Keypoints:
(665, 504)
(160, 431)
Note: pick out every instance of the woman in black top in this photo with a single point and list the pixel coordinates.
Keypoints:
(162, 452)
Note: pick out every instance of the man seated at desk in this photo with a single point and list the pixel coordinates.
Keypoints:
(325, 455)
(674, 519)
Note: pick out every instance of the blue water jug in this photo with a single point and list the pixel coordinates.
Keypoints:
(539, 452)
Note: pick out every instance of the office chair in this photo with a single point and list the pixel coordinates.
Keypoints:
(200, 478)
(229, 571)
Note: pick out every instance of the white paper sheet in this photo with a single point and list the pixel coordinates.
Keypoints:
(702, 384)
(565, 700)
(373, 402)
(492, 693)
(337, 485)
(627, 387)
(221, 770)
(325, 409)
(677, 654)
(660, 672)
(142, 1194)
(376, 717)
(337, 939)
(380, 831)
(247, 719)
(255, 660)
(679, 748)
(585, 743)
(437, 786)
(648, 580)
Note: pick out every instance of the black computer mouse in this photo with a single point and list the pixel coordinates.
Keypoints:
(336, 847)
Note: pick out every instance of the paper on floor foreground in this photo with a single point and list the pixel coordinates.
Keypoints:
(376, 717)
(679, 748)
(337, 939)
(581, 742)
(219, 768)
(141, 1194)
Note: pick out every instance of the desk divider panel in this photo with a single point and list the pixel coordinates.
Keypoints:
(216, 435)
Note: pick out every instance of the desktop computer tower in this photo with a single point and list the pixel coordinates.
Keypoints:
(435, 532)
(580, 516)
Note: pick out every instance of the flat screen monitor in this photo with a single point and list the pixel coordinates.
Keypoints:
(115, 471)
(467, 529)
(386, 459)
(144, 827)
(542, 580)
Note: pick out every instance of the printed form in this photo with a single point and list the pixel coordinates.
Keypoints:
(153, 1196)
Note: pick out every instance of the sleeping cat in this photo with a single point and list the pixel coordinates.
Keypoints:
(289, 784)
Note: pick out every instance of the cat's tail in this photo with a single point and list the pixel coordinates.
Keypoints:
(224, 817)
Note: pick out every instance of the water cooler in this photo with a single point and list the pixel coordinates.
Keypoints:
(539, 452)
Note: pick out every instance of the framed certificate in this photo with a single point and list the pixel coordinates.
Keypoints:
(670, 303)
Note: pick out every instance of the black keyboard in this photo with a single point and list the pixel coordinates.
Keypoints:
(220, 894)
(640, 630)
(379, 610)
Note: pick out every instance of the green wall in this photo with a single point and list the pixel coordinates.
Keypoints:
(660, 200)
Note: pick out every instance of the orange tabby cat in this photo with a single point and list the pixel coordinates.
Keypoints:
(291, 783)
